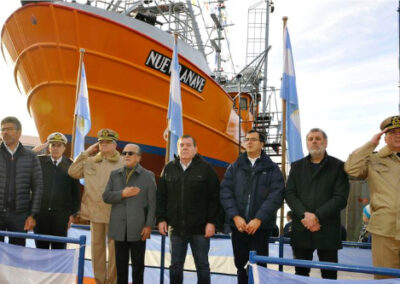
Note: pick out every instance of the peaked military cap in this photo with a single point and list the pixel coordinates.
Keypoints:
(391, 122)
(107, 134)
(57, 137)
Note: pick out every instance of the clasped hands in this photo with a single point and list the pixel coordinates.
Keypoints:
(249, 228)
(311, 222)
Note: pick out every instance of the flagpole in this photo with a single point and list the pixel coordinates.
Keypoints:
(167, 152)
(78, 84)
(283, 141)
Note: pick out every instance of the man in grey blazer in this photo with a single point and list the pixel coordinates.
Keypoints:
(131, 191)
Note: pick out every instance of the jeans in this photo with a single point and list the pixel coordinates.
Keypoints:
(200, 247)
(242, 244)
(14, 222)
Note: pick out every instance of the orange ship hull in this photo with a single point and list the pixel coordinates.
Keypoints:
(128, 88)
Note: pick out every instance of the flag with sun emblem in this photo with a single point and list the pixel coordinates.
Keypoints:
(82, 115)
(289, 93)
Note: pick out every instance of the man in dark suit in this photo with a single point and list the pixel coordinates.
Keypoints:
(131, 191)
(317, 189)
(61, 194)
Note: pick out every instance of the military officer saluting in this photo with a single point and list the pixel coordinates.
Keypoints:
(61, 194)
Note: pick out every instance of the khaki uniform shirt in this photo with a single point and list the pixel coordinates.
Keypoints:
(96, 171)
(382, 171)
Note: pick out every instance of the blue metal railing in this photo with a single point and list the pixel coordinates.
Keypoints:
(254, 258)
(81, 241)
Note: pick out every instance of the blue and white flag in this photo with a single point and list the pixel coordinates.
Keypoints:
(175, 122)
(82, 112)
(289, 93)
(29, 265)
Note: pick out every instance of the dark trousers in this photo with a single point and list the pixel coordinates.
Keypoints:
(323, 255)
(14, 222)
(53, 223)
(137, 250)
(200, 247)
(242, 244)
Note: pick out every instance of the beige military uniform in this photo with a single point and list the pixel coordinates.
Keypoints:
(382, 170)
(96, 171)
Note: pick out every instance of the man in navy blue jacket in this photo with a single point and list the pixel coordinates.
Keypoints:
(251, 193)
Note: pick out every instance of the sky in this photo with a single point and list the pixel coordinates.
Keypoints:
(346, 61)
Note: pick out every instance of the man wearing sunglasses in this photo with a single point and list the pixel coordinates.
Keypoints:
(131, 191)
(251, 193)
(20, 182)
(382, 171)
(95, 165)
(187, 208)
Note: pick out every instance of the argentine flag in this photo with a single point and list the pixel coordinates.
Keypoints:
(29, 265)
(174, 117)
(82, 115)
(289, 93)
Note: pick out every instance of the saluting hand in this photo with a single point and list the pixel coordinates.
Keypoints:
(93, 149)
(40, 147)
(377, 137)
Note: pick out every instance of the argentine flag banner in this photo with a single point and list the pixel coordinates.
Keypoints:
(82, 113)
(174, 116)
(29, 265)
(289, 93)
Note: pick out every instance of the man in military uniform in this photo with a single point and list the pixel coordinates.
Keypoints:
(61, 195)
(95, 165)
(381, 169)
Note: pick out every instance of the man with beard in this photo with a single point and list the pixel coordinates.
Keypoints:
(382, 171)
(317, 190)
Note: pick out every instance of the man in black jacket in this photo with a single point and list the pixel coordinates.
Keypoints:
(20, 182)
(61, 194)
(187, 207)
(251, 193)
(317, 189)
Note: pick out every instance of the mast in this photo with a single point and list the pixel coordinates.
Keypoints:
(264, 103)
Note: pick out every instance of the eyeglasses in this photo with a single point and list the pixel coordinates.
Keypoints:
(251, 139)
(8, 129)
(130, 153)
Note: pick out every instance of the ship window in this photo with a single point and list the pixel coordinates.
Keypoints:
(243, 103)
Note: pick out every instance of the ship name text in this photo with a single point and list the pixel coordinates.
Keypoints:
(163, 64)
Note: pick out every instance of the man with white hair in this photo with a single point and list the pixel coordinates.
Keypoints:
(316, 192)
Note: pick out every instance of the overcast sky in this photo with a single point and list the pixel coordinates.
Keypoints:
(345, 55)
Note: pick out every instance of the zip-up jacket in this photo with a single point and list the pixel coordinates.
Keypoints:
(28, 180)
(188, 200)
(252, 191)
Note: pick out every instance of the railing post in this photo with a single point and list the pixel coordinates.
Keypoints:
(81, 263)
(162, 261)
(251, 261)
(281, 244)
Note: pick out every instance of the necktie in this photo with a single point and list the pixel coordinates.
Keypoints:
(55, 162)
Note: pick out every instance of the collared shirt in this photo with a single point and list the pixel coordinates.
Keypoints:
(253, 160)
(185, 167)
(58, 161)
(10, 151)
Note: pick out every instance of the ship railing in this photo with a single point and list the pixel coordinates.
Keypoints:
(81, 241)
